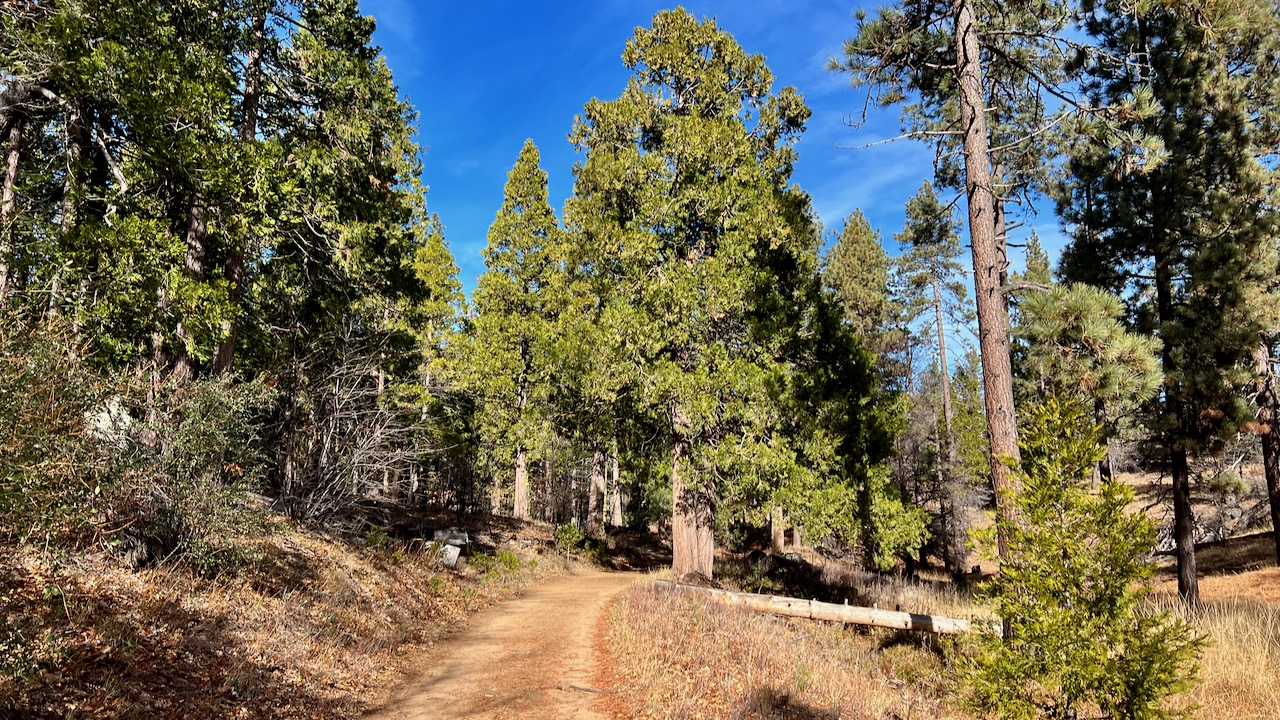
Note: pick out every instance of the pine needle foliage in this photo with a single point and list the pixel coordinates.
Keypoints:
(1080, 641)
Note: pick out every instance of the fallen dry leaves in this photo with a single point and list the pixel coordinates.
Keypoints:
(315, 628)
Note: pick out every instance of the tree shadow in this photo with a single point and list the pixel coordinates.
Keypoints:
(770, 703)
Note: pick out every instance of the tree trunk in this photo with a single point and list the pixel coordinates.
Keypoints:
(595, 497)
(520, 507)
(692, 519)
(1269, 418)
(777, 531)
(77, 143)
(948, 414)
(233, 266)
(1180, 472)
(1104, 472)
(7, 195)
(988, 266)
(197, 233)
(615, 491)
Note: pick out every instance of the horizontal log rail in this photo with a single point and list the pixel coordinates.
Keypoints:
(831, 612)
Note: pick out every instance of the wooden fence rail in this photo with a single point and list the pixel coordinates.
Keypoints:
(831, 612)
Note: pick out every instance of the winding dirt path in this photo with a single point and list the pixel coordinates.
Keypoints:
(509, 663)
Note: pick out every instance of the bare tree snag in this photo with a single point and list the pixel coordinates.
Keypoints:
(948, 413)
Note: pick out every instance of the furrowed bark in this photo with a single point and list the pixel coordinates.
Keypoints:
(988, 266)
(1269, 418)
(692, 518)
(615, 491)
(520, 505)
(1179, 471)
(193, 263)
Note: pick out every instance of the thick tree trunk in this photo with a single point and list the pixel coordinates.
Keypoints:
(595, 497)
(988, 266)
(520, 505)
(692, 518)
(8, 193)
(777, 531)
(615, 491)
(233, 266)
(1269, 419)
(1180, 472)
(197, 233)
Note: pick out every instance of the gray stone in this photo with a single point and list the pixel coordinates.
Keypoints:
(110, 423)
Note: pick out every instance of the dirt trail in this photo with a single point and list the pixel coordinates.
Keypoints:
(509, 662)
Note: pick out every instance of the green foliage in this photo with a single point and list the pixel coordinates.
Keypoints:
(569, 537)
(1187, 239)
(182, 490)
(508, 359)
(1077, 347)
(895, 528)
(503, 564)
(857, 271)
(704, 261)
(1082, 642)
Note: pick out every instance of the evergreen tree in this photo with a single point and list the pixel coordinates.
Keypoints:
(205, 188)
(706, 261)
(976, 74)
(858, 271)
(1187, 239)
(1071, 590)
(509, 364)
(1076, 348)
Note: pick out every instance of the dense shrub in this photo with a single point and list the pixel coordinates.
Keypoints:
(87, 457)
(48, 470)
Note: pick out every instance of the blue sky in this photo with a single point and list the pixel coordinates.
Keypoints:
(487, 75)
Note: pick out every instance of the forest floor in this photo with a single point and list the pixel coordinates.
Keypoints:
(309, 626)
(532, 658)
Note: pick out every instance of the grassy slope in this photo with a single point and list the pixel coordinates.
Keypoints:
(312, 628)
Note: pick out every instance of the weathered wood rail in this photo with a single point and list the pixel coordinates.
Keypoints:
(831, 612)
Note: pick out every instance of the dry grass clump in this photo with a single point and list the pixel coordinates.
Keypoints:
(1240, 667)
(679, 656)
(313, 628)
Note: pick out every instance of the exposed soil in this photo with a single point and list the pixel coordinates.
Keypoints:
(532, 658)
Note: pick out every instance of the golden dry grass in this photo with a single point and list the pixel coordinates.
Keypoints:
(676, 655)
(679, 656)
(1240, 667)
(314, 629)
